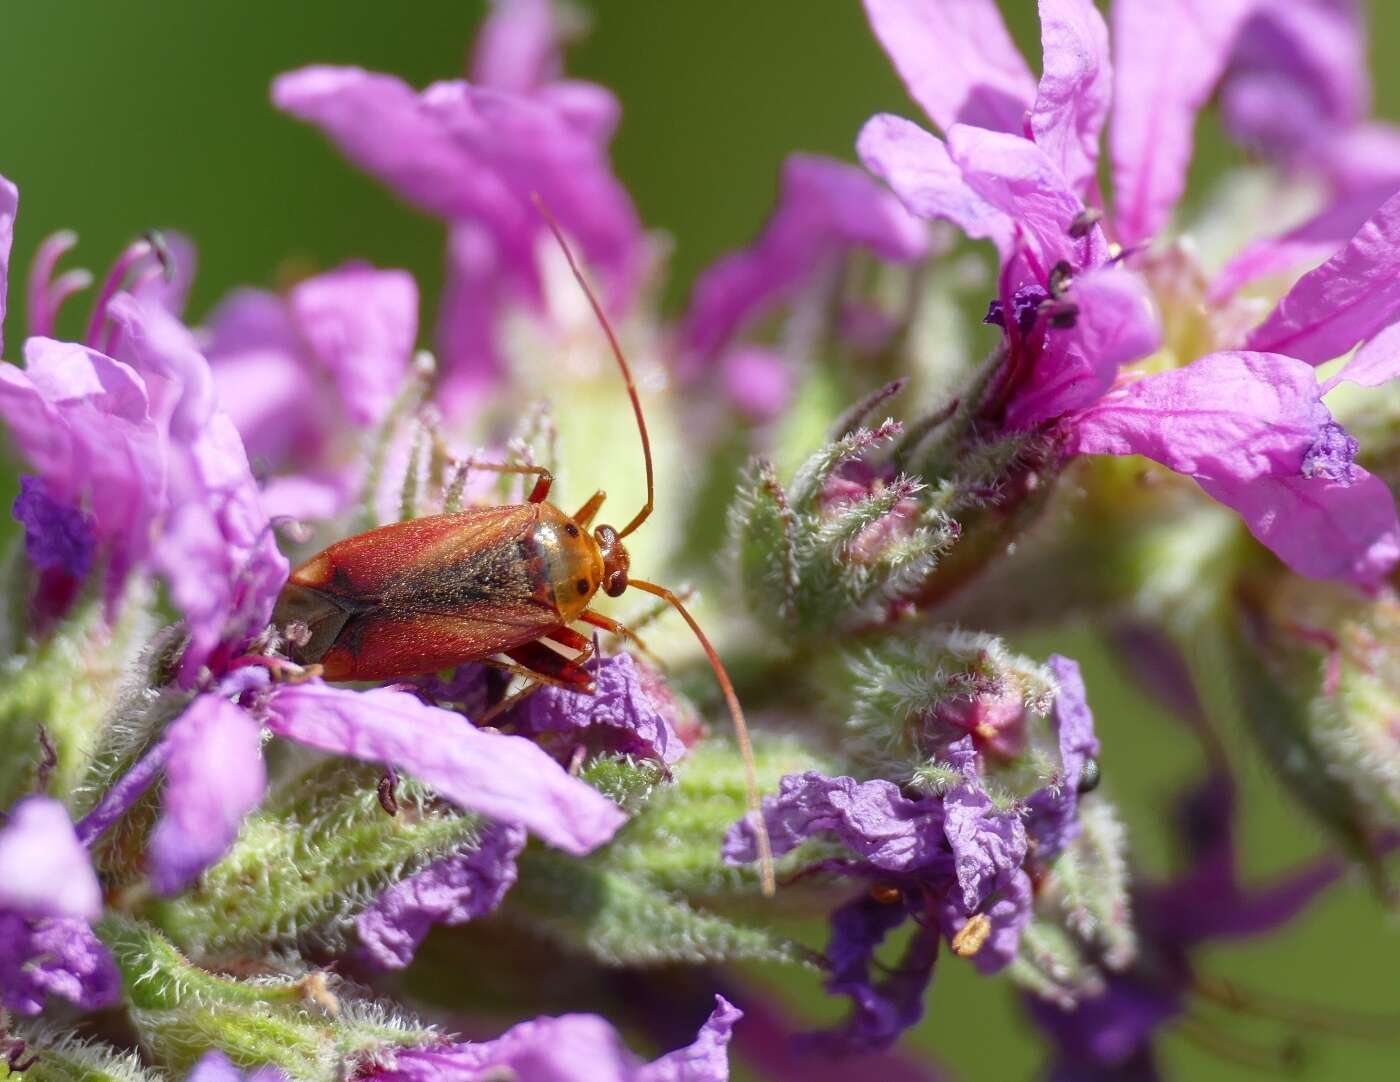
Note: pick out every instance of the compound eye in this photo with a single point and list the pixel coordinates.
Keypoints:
(571, 529)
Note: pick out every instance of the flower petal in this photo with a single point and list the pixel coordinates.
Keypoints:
(1053, 819)
(825, 207)
(1348, 299)
(9, 206)
(626, 713)
(451, 891)
(957, 61)
(57, 956)
(706, 1059)
(1167, 56)
(57, 535)
(1076, 87)
(360, 324)
(917, 166)
(505, 777)
(517, 47)
(214, 776)
(1117, 322)
(988, 846)
(1244, 425)
(44, 869)
(871, 818)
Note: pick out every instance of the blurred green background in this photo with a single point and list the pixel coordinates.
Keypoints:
(121, 116)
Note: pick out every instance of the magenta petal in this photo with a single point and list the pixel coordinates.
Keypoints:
(217, 1067)
(214, 776)
(1117, 323)
(506, 777)
(825, 207)
(44, 869)
(916, 164)
(1252, 431)
(517, 46)
(1016, 177)
(9, 205)
(1167, 57)
(706, 1059)
(1076, 87)
(957, 61)
(360, 324)
(988, 846)
(473, 297)
(1348, 299)
(1377, 362)
(450, 891)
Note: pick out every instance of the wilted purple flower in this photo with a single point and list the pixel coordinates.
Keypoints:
(955, 863)
(450, 891)
(631, 712)
(1241, 425)
(301, 375)
(1110, 1036)
(48, 896)
(216, 775)
(474, 155)
(825, 210)
(571, 1048)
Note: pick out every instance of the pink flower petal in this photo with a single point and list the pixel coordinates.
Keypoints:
(9, 206)
(1076, 87)
(517, 47)
(1249, 428)
(917, 166)
(1167, 56)
(506, 777)
(1348, 299)
(957, 61)
(44, 869)
(214, 777)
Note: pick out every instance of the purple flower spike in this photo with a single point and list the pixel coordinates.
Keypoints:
(57, 535)
(824, 208)
(571, 1048)
(870, 818)
(214, 777)
(505, 777)
(44, 870)
(451, 891)
(628, 713)
(1053, 821)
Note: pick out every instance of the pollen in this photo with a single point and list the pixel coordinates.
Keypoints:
(971, 937)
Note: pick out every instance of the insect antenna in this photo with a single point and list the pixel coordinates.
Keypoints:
(741, 731)
(642, 515)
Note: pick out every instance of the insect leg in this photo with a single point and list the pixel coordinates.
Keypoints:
(544, 478)
(610, 625)
(567, 636)
(540, 666)
(585, 514)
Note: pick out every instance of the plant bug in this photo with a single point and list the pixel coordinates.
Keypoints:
(427, 594)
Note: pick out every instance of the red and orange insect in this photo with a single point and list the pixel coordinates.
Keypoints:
(485, 584)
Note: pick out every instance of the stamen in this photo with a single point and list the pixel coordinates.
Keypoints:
(46, 765)
(388, 791)
(133, 255)
(42, 303)
(1084, 222)
(971, 937)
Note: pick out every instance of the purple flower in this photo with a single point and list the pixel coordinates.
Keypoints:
(1110, 1035)
(450, 891)
(48, 896)
(631, 712)
(57, 535)
(217, 1067)
(1253, 432)
(571, 1048)
(215, 773)
(1053, 811)
(474, 155)
(825, 209)
(214, 777)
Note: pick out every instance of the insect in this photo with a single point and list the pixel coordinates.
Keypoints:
(492, 585)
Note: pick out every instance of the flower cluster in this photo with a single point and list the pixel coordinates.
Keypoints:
(218, 863)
